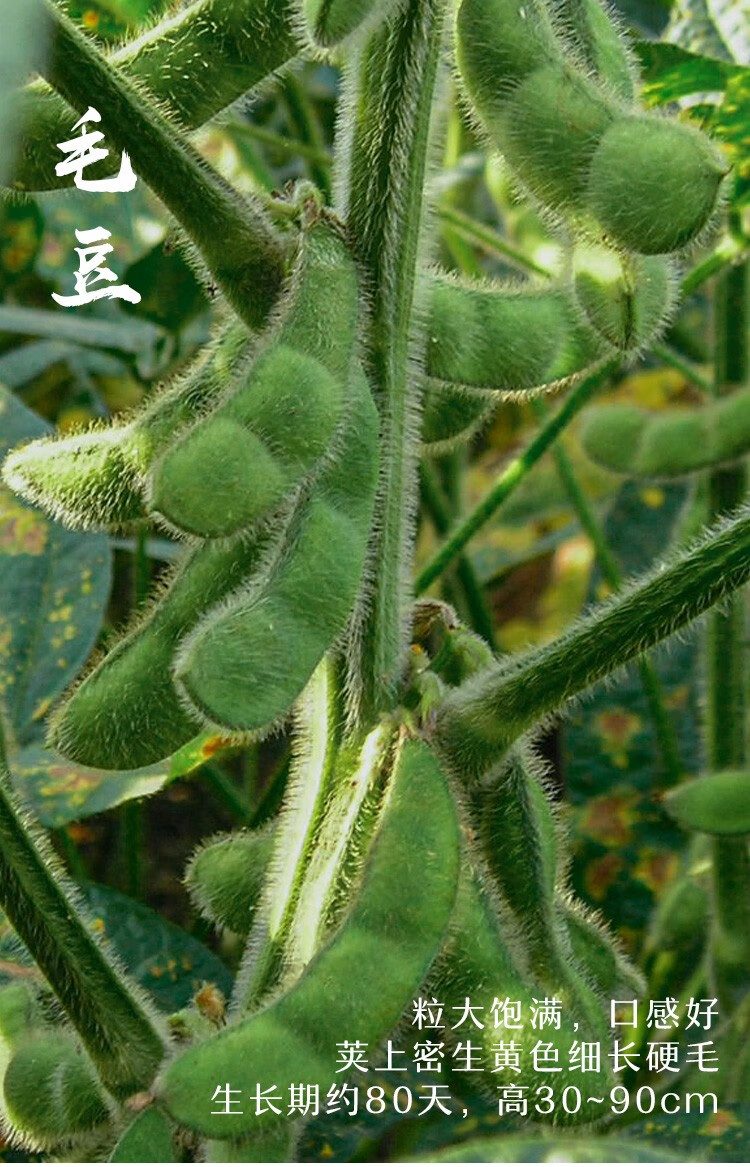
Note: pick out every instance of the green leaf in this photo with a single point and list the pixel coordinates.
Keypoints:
(718, 804)
(731, 123)
(671, 72)
(167, 962)
(62, 792)
(128, 336)
(54, 586)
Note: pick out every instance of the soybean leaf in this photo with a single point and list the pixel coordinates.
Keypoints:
(171, 294)
(54, 586)
(137, 337)
(62, 792)
(671, 72)
(170, 964)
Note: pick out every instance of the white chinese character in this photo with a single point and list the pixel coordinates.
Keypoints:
(343, 1095)
(467, 1011)
(304, 1100)
(511, 1013)
(389, 1066)
(428, 1057)
(663, 1055)
(700, 1054)
(705, 1008)
(435, 1096)
(92, 269)
(619, 1017)
(663, 1014)
(507, 1056)
(264, 1100)
(545, 1014)
(622, 1057)
(469, 1057)
(543, 1053)
(352, 1056)
(585, 1057)
(428, 1014)
(512, 1100)
(224, 1094)
(85, 151)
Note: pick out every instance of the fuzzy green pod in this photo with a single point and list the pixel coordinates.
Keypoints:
(653, 183)
(225, 877)
(626, 299)
(361, 980)
(247, 661)
(597, 955)
(238, 43)
(331, 21)
(243, 458)
(51, 1091)
(668, 444)
(494, 337)
(521, 852)
(550, 130)
(648, 184)
(592, 34)
(148, 1139)
(718, 804)
(485, 961)
(126, 713)
(97, 480)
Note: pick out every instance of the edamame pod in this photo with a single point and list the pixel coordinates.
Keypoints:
(271, 429)
(360, 982)
(653, 183)
(592, 34)
(483, 962)
(646, 183)
(520, 847)
(96, 480)
(126, 713)
(597, 955)
(51, 1091)
(148, 1139)
(331, 21)
(247, 661)
(670, 444)
(625, 298)
(225, 877)
(718, 804)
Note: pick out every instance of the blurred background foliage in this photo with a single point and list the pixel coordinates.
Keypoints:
(63, 594)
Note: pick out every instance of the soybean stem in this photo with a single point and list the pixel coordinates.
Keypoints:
(726, 646)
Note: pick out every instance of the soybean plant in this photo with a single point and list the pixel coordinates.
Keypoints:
(419, 847)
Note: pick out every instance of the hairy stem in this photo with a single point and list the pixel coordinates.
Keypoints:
(194, 63)
(512, 476)
(235, 237)
(726, 682)
(482, 719)
(389, 104)
(114, 1025)
(466, 580)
